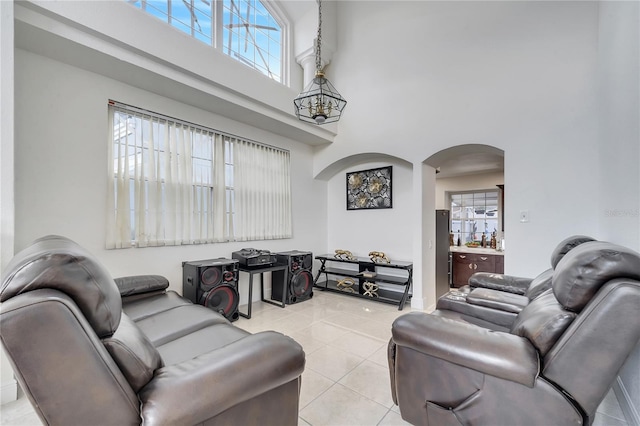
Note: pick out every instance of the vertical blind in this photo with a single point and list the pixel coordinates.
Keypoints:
(172, 182)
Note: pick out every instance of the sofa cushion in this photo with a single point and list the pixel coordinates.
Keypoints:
(172, 324)
(200, 342)
(457, 302)
(134, 353)
(542, 322)
(582, 271)
(144, 307)
(58, 263)
(565, 246)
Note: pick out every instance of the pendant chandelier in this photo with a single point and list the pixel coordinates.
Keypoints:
(320, 102)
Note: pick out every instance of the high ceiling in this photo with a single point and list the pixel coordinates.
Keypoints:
(465, 161)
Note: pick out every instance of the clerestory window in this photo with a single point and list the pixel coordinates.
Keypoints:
(247, 30)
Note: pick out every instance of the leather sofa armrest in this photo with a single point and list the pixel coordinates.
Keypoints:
(501, 282)
(139, 284)
(185, 393)
(497, 354)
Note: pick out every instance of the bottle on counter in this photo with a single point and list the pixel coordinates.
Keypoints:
(483, 242)
(458, 244)
(492, 244)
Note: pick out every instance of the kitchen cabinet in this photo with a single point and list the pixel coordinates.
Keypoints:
(466, 264)
(499, 265)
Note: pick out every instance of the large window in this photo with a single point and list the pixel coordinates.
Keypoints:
(253, 36)
(246, 30)
(474, 214)
(173, 182)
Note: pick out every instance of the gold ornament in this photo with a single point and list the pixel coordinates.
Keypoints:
(346, 285)
(362, 200)
(375, 185)
(344, 254)
(379, 257)
(355, 181)
(370, 289)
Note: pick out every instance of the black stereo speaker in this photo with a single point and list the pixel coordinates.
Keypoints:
(300, 279)
(213, 283)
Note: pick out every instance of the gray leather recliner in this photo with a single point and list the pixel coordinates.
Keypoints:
(520, 285)
(494, 300)
(81, 359)
(553, 366)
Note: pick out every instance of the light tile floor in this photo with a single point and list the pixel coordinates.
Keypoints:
(346, 378)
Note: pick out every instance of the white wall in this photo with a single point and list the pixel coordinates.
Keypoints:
(61, 137)
(362, 231)
(619, 100)
(8, 386)
(520, 76)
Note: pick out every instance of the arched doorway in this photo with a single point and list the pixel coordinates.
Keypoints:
(465, 171)
(467, 159)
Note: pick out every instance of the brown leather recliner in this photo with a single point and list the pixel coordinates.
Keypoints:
(81, 360)
(494, 300)
(554, 366)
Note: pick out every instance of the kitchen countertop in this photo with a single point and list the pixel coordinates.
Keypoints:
(479, 250)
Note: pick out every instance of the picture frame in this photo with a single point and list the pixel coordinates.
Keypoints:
(370, 189)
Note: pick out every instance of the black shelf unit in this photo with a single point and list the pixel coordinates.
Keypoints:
(365, 264)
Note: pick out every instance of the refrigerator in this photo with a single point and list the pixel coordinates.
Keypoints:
(443, 258)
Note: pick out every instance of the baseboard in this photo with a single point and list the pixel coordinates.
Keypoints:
(8, 391)
(630, 412)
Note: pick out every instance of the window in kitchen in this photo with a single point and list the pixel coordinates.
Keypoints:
(474, 214)
(249, 31)
(173, 182)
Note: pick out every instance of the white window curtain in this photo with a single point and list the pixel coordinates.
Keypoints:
(262, 191)
(174, 183)
(163, 181)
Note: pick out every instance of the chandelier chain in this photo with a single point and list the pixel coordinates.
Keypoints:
(319, 102)
(319, 38)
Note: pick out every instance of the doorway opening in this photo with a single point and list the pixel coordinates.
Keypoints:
(469, 207)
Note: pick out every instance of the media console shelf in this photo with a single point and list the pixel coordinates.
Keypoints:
(360, 288)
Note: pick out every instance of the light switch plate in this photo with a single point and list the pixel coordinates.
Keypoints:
(524, 216)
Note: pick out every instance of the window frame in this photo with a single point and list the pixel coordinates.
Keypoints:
(216, 37)
(279, 16)
(464, 233)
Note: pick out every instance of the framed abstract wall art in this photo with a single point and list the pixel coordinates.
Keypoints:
(369, 189)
